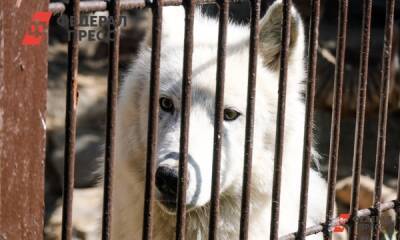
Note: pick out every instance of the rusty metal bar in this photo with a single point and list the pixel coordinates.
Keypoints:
(383, 115)
(112, 94)
(360, 117)
(70, 120)
(219, 117)
(336, 113)
(152, 130)
(280, 121)
(23, 85)
(397, 205)
(94, 6)
(90, 6)
(338, 222)
(186, 99)
(251, 96)
(309, 120)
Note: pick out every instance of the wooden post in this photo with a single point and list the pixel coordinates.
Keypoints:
(23, 85)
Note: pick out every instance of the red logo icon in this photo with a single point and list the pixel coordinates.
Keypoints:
(36, 32)
(342, 219)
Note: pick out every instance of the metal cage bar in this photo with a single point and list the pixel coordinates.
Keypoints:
(70, 121)
(115, 6)
(218, 118)
(360, 117)
(280, 121)
(95, 6)
(397, 205)
(112, 93)
(309, 119)
(336, 114)
(186, 99)
(383, 115)
(249, 132)
(152, 130)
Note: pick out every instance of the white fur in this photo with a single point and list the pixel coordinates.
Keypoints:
(131, 133)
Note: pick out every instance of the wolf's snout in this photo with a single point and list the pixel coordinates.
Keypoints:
(167, 181)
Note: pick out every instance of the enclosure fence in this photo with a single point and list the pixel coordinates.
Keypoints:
(74, 8)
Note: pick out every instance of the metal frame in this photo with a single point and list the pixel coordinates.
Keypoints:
(23, 86)
(116, 6)
(75, 7)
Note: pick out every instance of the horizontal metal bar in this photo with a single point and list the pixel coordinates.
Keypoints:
(94, 6)
(338, 222)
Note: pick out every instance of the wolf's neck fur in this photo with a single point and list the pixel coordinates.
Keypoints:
(128, 214)
(197, 224)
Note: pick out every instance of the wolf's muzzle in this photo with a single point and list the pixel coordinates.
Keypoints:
(167, 181)
(167, 178)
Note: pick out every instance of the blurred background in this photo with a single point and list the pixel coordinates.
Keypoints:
(93, 67)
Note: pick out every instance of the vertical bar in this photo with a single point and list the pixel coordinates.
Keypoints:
(23, 85)
(280, 121)
(186, 102)
(397, 205)
(360, 117)
(70, 119)
(219, 117)
(383, 115)
(309, 119)
(152, 130)
(251, 97)
(336, 114)
(112, 92)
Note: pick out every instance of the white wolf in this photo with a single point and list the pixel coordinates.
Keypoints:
(132, 132)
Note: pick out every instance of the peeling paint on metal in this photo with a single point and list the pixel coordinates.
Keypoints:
(42, 119)
(18, 3)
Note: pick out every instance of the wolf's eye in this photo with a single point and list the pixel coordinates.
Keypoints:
(230, 114)
(166, 104)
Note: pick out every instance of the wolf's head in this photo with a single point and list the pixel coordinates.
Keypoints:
(133, 106)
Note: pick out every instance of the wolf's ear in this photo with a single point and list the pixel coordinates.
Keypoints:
(270, 35)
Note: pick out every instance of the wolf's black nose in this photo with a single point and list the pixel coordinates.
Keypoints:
(167, 181)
